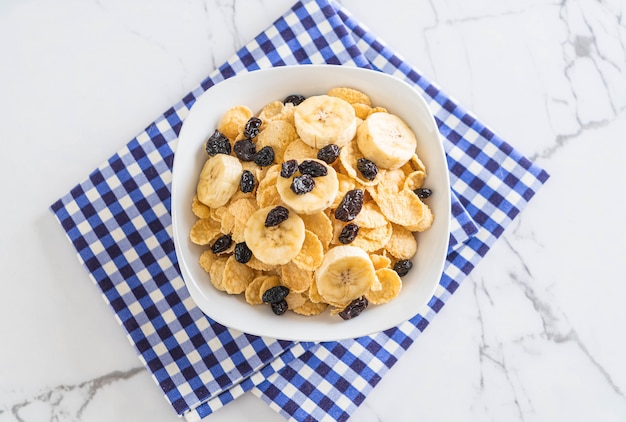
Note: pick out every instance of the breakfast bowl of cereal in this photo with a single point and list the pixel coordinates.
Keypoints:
(310, 203)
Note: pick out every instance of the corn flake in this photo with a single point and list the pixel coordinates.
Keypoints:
(320, 224)
(237, 276)
(253, 290)
(204, 231)
(402, 244)
(199, 209)
(380, 261)
(311, 254)
(295, 300)
(277, 134)
(299, 151)
(216, 272)
(234, 120)
(391, 286)
(350, 95)
(309, 308)
(241, 210)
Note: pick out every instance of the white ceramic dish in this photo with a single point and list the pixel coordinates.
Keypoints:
(255, 89)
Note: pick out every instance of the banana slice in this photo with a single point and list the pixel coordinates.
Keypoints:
(219, 180)
(321, 120)
(276, 245)
(345, 274)
(314, 201)
(386, 140)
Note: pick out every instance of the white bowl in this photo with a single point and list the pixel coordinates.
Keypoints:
(255, 89)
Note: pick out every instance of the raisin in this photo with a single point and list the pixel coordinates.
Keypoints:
(350, 205)
(288, 168)
(355, 308)
(221, 244)
(246, 184)
(313, 168)
(275, 294)
(251, 130)
(243, 253)
(294, 99)
(302, 184)
(245, 149)
(280, 308)
(348, 233)
(276, 216)
(403, 267)
(368, 168)
(328, 154)
(264, 157)
(423, 193)
(217, 143)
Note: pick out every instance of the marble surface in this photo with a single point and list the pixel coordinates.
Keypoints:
(536, 333)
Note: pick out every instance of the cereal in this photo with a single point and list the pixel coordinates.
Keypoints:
(380, 261)
(351, 95)
(234, 121)
(199, 209)
(391, 286)
(295, 300)
(253, 293)
(309, 308)
(237, 276)
(320, 224)
(402, 244)
(349, 157)
(311, 254)
(204, 231)
(216, 272)
(295, 278)
(298, 150)
(278, 134)
(386, 211)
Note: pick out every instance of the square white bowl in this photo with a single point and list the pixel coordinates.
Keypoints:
(256, 89)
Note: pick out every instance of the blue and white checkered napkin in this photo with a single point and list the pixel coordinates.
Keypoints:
(118, 219)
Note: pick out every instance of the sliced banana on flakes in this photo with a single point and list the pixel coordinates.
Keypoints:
(219, 180)
(386, 140)
(321, 120)
(346, 273)
(318, 199)
(275, 245)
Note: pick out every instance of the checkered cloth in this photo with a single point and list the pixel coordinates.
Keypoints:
(118, 219)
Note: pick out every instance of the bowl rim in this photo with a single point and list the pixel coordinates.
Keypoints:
(314, 328)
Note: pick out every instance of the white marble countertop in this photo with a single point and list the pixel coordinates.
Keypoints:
(536, 333)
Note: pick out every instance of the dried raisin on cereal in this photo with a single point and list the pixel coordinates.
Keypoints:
(348, 233)
(313, 168)
(246, 184)
(423, 193)
(264, 157)
(280, 308)
(368, 168)
(243, 253)
(403, 267)
(217, 143)
(251, 130)
(288, 168)
(294, 99)
(221, 244)
(350, 206)
(355, 308)
(275, 294)
(245, 149)
(302, 184)
(276, 216)
(329, 153)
